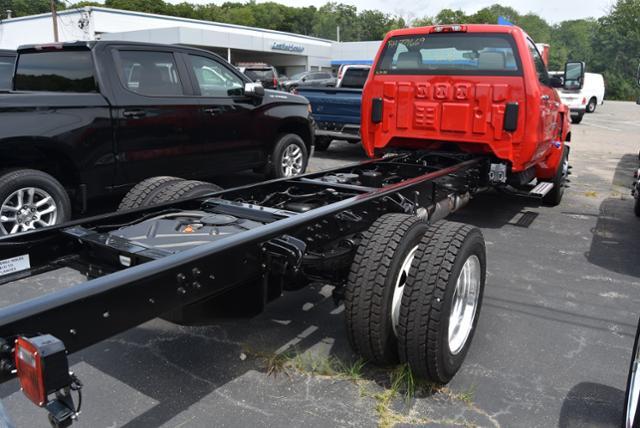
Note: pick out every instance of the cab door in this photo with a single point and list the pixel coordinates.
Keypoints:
(229, 140)
(549, 104)
(157, 117)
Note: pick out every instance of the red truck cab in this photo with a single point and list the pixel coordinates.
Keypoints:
(475, 88)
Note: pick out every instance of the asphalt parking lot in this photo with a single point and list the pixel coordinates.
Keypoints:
(552, 346)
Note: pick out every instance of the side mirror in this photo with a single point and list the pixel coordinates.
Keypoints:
(574, 75)
(254, 89)
(556, 82)
(304, 79)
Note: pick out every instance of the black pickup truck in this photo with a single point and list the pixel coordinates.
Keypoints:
(87, 119)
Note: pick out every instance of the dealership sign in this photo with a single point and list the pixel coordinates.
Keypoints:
(287, 47)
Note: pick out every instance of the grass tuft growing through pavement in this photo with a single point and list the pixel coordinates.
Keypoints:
(384, 386)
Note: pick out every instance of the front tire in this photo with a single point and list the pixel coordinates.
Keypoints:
(374, 287)
(289, 157)
(441, 300)
(30, 200)
(554, 197)
(593, 103)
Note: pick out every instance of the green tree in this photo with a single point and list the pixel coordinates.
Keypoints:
(539, 30)
(374, 24)
(450, 16)
(149, 6)
(332, 15)
(28, 7)
(616, 47)
(422, 22)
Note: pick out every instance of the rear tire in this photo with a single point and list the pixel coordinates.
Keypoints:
(593, 103)
(439, 310)
(31, 199)
(184, 189)
(289, 157)
(143, 193)
(554, 197)
(379, 270)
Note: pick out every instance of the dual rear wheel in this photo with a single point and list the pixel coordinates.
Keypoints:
(414, 294)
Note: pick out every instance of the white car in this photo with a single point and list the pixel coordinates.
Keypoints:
(584, 100)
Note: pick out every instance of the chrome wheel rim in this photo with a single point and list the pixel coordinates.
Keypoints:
(464, 304)
(634, 391)
(26, 209)
(292, 160)
(401, 281)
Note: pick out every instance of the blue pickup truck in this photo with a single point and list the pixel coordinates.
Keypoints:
(336, 111)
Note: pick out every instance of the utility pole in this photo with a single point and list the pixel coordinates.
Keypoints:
(54, 16)
(338, 33)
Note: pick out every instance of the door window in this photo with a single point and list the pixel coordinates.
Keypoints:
(214, 79)
(150, 73)
(541, 69)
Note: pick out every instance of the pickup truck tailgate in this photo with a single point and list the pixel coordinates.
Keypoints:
(336, 105)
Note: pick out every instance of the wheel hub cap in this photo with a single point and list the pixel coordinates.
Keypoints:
(464, 304)
(27, 209)
(292, 160)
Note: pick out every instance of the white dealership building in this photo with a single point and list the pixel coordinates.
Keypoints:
(290, 53)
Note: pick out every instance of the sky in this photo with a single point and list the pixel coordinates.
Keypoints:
(552, 10)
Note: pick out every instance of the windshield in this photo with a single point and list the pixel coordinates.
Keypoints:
(459, 53)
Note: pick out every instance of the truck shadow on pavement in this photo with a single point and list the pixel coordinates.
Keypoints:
(592, 404)
(614, 245)
(494, 210)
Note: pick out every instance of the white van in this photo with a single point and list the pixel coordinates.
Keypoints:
(585, 100)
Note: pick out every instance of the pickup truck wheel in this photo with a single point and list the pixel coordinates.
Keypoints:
(593, 103)
(577, 119)
(289, 157)
(184, 189)
(143, 193)
(441, 300)
(554, 197)
(322, 143)
(631, 408)
(375, 283)
(31, 200)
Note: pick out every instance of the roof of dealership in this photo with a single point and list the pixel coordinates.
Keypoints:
(92, 22)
